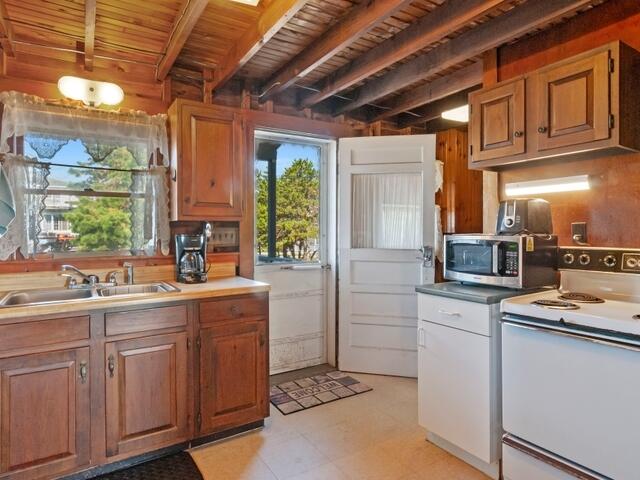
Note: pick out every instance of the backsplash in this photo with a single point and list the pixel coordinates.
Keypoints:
(610, 207)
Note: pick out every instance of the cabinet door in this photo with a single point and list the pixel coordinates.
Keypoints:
(233, 375)
(456, 371)
(573, 103)
(44, 414)
(497, 121)
(146, 392)
(211, 163)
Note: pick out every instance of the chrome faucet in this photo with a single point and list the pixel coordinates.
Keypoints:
(129, 267)
(87, 279)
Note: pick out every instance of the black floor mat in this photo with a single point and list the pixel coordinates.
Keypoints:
(179, 466)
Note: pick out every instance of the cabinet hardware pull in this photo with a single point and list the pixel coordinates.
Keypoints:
(111, 364)
(450, 314)
(212, 183)
(542, 129)
(84, 370)
(517, 134)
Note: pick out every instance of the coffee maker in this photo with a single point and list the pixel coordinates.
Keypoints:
(191, 258)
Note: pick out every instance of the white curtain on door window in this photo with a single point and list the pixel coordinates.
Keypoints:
(23, 114)
(387, 211)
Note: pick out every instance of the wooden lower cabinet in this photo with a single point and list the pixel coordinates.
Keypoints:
(146, 393)
(233, 374)
(45, 414)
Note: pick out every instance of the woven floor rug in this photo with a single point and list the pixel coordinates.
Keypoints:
(310, 392)
(174, 467)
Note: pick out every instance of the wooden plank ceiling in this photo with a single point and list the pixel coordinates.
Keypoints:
(372, 59)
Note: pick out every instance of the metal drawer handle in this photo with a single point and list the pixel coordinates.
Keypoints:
(449, 314)
(111, 365)
(83, 372)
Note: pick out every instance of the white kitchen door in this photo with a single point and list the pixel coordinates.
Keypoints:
(386, 209)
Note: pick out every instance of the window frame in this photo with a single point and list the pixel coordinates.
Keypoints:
(324, 145)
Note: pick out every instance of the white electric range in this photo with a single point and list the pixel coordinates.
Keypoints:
(571, 372)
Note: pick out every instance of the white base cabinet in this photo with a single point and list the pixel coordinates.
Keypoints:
(459, 378)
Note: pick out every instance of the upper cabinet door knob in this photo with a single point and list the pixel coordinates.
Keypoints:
(212, 183)
(517, 134)
(542, 129)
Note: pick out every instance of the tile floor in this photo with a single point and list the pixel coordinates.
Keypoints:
(373, 436)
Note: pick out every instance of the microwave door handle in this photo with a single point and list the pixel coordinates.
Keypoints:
(494, 258)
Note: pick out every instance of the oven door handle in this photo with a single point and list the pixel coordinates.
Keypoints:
(508, 320)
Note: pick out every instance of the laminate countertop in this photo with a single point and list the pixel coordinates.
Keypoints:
(219, 287)
(471, 293)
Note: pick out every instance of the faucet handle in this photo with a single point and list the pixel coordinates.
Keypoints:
(112, 277)
(70, 280)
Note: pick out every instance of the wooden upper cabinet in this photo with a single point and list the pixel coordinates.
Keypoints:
(44, 414)
(146, 393)
(497, 121)
(573, 102)
(207, 163)
(233, 375)
(585, 106)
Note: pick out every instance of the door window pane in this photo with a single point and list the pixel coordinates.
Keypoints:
(287, 201)
(386, 211)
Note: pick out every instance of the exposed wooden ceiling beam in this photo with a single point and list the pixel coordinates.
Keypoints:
(355, 24)
(434, 110)
(463, 79)
(429, 29)
(187, 19)
(89, 33)
(6, 31)
(273, 18)
(512, 24)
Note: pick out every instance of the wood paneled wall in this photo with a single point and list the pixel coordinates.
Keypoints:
(611, 206)
(461, 197)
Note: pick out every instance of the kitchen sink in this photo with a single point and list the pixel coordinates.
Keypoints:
(159, 287)
(29, 297)
(59, 295)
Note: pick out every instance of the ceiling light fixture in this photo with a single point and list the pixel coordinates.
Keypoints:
(551, 185)
(90, 92)
(459, 114)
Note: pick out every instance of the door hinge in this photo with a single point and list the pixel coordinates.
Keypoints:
(612, 121)
(470, 150)
(611, 65)
(188, 344)
(199, 420)
(198, 342)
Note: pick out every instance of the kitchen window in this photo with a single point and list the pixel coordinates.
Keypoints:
(85, 182)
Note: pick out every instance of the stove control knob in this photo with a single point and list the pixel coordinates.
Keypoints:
(610, 261)
(632, 262)
(585, 259)
(569, 258)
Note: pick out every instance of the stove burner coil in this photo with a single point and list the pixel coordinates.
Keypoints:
(555, 304)
(580, 297)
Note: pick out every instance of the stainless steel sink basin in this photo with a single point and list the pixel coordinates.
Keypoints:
(29, 297)
(159, 287)
(59, 295)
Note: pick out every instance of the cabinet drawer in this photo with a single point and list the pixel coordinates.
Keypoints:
(43, 332)
(144, 320)
(468, 316)
(234, 308)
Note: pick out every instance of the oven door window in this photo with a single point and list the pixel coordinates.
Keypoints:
(473, 257)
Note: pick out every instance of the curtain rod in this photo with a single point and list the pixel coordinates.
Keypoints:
(54, 164)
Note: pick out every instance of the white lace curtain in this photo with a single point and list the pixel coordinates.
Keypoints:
(24, 113)
(26, 192)
(23, 181)
(387, 211)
